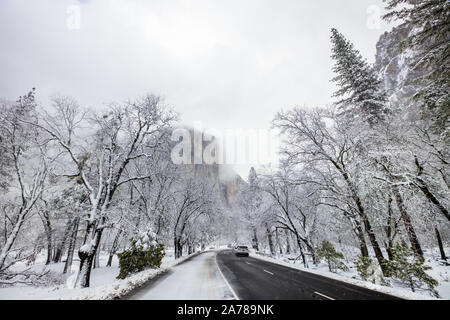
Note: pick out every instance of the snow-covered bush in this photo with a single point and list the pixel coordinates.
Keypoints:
(144, 252)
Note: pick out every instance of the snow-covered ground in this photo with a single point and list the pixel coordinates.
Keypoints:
(439, 271)
(104, 284)
(200, 279)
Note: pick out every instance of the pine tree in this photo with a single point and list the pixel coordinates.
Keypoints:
(333, 258)
(359, 88)
(429, 44)
(410, 269)
(363, 266)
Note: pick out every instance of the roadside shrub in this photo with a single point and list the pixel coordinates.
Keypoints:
(410, 269)
(333, 258)
(143, 253)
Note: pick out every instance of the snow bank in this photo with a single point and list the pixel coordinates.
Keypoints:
(104, 285)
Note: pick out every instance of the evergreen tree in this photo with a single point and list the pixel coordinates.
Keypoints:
(359, 88)
(429, 44)
(333, 258)
(369, 271)
(363, 266)
(410, 269)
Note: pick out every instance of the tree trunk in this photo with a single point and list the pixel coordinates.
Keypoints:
(362, 240)
(114, 247)
(427, 192)
(305, 262)
(430, 196)
(49, 247)
(312, 251)
(407, 221)
(72, 244)
(48, 233)
(87, 254)
(110, 259)
(365, 219)
(97, 259)
(5, 228)
(60, 249)
(288, 242)
(359, 232)
(370, 232)
(277, 238)
(389, 231)
(299, 243)
(86, 261)
(255, 240)
(178, 247)
(375, 245)
(441, 247)
(270, 239)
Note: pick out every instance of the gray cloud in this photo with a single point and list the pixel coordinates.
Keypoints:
(227, 64)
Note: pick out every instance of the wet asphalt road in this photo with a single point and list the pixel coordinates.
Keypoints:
(255, 279)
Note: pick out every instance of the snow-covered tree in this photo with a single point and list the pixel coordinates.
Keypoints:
(191, 200)
(292, 208)
(99, 161)
(361, 98)
(309, 139)
(20, 143)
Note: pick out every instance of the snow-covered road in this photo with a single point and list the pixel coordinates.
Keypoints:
(196, 279)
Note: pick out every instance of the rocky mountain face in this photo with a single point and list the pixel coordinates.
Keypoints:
(393, 65)
(224, 179)
(222, 176)
(230, 187)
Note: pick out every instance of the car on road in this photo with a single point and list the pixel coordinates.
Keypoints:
(241, 251)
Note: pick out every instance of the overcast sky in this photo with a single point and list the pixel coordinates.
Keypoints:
(225, 63)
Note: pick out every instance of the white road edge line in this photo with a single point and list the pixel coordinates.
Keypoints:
(226, 282)
(268, 271)
(247, 262)
(320, 294)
